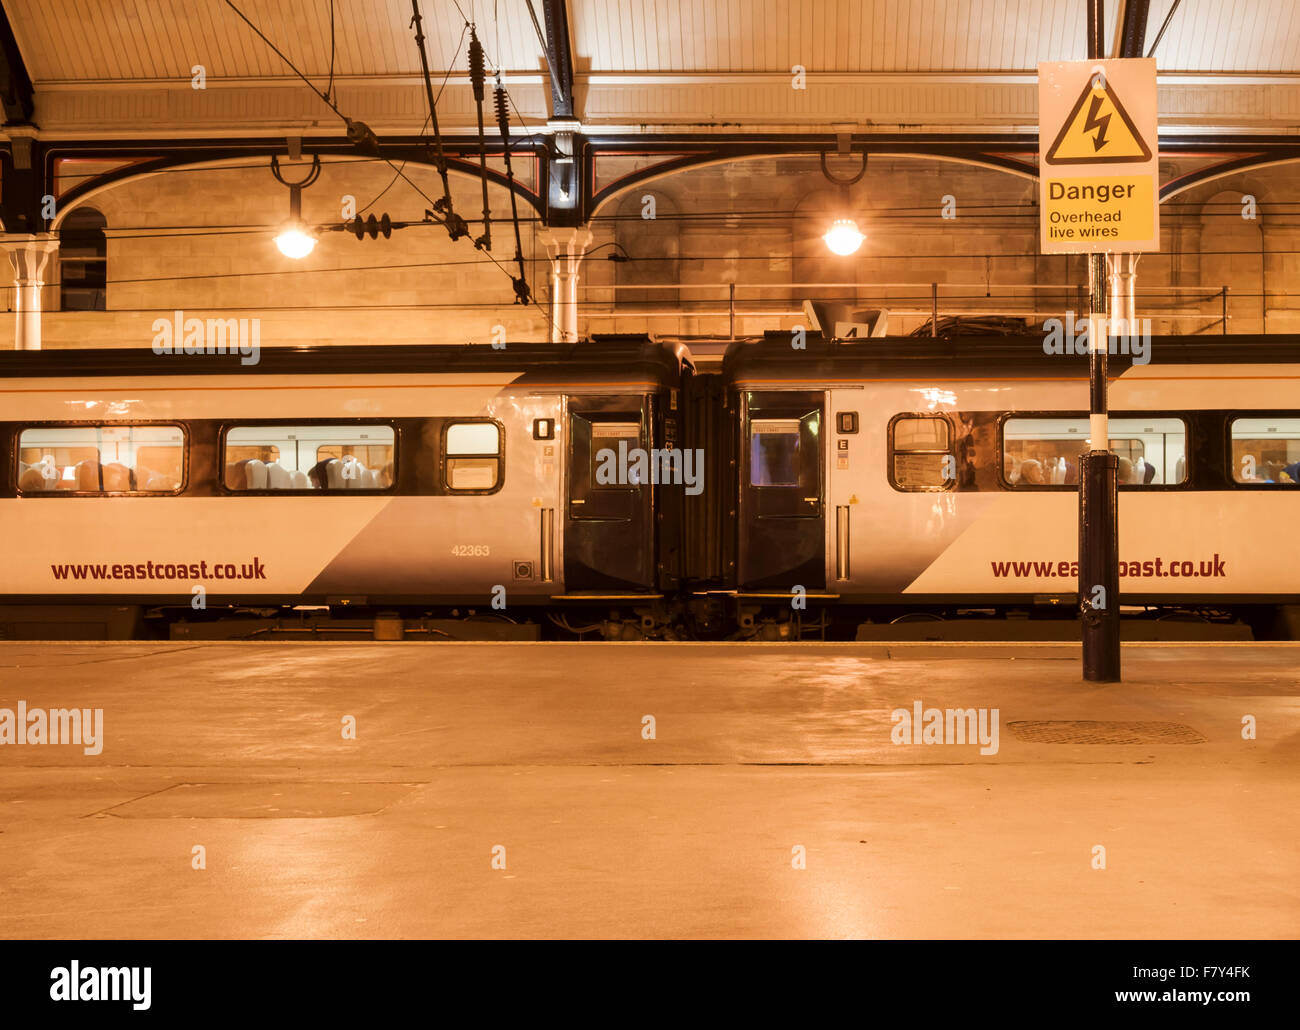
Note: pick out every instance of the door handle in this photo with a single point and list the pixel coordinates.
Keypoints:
(842, 541)
(546, 564)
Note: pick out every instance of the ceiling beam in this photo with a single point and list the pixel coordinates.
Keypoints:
(15, 83)
(559, 57)
(1133, 36)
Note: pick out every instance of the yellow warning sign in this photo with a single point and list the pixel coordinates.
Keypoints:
(1098, 130)
(1100, 211)
(1098, 165)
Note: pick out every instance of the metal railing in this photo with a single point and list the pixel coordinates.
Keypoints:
(927, 301)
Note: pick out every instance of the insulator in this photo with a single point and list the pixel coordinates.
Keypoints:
(477, 71)
(501, 102)
(386, 226)
(358, 227)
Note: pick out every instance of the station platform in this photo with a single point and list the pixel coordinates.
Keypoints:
(509, 790)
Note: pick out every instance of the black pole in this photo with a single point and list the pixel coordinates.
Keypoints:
(1098, 470)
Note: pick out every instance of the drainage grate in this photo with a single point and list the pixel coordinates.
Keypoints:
(1081, 731)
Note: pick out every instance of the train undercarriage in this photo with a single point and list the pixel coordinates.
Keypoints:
(719, 616)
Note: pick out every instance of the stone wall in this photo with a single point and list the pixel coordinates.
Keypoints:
(200, 240)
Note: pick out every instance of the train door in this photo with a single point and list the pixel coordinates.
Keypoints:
(782, 491)
(609, 517)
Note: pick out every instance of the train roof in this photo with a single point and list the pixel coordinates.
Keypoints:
(900, 357)
(661, 361)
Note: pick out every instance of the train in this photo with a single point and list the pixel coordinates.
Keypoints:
(619, 488)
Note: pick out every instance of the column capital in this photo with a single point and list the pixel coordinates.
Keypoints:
(566, 242)
(29, 253)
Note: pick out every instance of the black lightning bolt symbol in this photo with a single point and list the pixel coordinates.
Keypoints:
(1099, 124)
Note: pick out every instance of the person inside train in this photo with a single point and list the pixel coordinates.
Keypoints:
(32, 481)
(1125, 474)
(319, 474)
(1150, 474)
(1031, 472)
(1290, 473)
(1011, 465)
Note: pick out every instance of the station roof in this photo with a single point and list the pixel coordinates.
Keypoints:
(127, 67)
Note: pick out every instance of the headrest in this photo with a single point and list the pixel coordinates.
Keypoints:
(277, 476)
(88, 475)
(256, 473)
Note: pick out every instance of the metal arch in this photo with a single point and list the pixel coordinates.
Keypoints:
(1010, 153)
(1246, 163)
(798, 146)
(409, 152)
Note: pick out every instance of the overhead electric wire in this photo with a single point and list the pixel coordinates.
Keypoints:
(478, 83)
(351, 125)
(450, 66)
(329, 88)
(455, 224)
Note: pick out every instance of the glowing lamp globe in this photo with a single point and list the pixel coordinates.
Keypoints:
(295, 243)
(843, 237)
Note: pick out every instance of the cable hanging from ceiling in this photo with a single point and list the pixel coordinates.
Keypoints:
(442, 210)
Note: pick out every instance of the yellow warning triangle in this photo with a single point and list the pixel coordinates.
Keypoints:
(1098, 131)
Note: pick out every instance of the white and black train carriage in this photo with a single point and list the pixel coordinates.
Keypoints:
(837, 488)
(922, 479)
(144, 490)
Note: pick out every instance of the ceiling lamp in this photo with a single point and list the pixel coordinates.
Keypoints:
(295, 242)
(844, 237)
(296, 239)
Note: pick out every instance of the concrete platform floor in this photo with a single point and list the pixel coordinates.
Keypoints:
(539, 749)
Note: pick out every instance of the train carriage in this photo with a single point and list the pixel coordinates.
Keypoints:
(921, 477)
(358, 477)
(842, 485)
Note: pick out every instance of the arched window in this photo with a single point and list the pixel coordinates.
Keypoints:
(83, 261)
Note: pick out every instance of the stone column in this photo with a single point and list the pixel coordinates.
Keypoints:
(565, 248)
(29, 255)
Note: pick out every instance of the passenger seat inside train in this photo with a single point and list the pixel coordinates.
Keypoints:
(347, 473)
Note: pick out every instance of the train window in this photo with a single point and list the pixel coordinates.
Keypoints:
(471, 456)
(1266, 450)
(309, 457)
(609, 439)
(101, 459)
(774, 452)
(1044, 451)
(921, 453)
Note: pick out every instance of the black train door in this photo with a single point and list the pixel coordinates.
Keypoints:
(609, 517)
(782, 509)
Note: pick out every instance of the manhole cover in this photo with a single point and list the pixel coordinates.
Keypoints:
(1082, 731)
